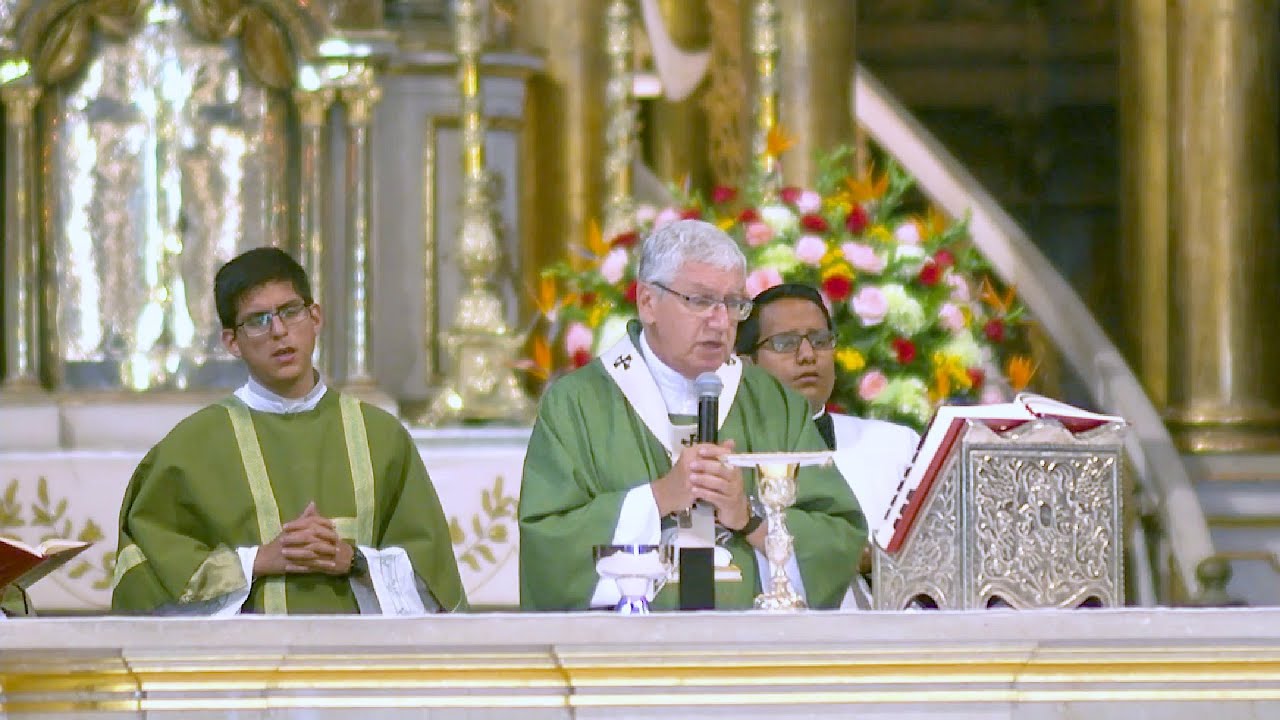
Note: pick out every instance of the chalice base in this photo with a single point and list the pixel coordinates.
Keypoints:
(776, 601)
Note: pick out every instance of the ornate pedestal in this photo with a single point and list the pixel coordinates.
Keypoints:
(1027, 518)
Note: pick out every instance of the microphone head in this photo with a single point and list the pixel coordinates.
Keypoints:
(708, 384)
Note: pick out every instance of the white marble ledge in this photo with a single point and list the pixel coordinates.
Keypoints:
(1030, 665)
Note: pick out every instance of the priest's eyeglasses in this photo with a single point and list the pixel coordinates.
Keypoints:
(737, 308)
(259, 324)
(789, 342)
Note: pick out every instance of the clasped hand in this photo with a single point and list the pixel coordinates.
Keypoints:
(701, 474)
(307, 544)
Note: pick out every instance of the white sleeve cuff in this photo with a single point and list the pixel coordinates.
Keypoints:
(638, 524)
(394, 581)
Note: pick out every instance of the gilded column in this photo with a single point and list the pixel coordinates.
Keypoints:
(1224, 346)
(815, 77)
(360, 100)
(1144, 188)
(21, 261)
(763, 38)
(313, 110)
(676, 133)
(563, 147)
(620, 123)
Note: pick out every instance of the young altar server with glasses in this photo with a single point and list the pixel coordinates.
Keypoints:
(612, 458)
(285, 497)
(789, 333)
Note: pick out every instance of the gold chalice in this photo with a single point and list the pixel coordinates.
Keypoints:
(776, 485)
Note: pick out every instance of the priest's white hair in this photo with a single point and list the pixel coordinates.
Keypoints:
(683, 241)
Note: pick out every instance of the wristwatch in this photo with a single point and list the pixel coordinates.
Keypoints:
(754, 520)
(359, 565)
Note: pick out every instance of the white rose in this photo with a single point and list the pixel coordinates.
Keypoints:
(780, 218)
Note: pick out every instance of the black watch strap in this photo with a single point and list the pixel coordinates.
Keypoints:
(752, 523)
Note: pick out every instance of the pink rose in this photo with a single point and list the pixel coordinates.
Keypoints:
(578, 338)
(959, 287)
(907, 233)
(614, 265)
(863, 257)
(763, 279)
(758, 234)
(809, 202)
(810, 249)
(951, 317)
(665, 218)
(645, 214)
(870, 305)
(873, 383)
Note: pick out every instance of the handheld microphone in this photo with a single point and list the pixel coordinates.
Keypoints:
(708, 386)
(697, 552)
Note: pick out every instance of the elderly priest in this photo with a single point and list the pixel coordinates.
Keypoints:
(285, 497)
(611, 458)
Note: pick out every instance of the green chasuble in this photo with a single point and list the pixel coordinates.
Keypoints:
(589, 447)
(195, 497)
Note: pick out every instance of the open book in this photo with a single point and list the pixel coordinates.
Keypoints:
(941, 435)
(23, 565)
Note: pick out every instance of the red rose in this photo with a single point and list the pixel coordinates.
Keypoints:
(837, 287)
(994, 330)
(904, 349)
(814, 223)
(630, 294)
(977, 377)
(790, 194)
(945, 258)
(834, 407)
(588, 299)
(691, 213)
(930, 274)
(748, 215)
(857, 220)
(626, 239)
(581, 357)
(721, 194)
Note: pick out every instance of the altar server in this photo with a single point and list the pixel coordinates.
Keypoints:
(613, 457)
(285, 497)
(790, 334)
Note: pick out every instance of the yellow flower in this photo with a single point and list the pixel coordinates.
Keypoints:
(726, 222)
(597, 314)
(880, 233)
(949, 371)
(838, 268)
(850, 360)
(1020, 371)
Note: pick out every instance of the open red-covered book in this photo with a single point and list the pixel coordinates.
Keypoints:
(941, 435)
(23, 565)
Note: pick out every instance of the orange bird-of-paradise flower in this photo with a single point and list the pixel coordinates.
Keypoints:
(538, 364)
(777, 141)
(860, 190)
(934, 223)
(545, 297)
(1019, 370)
(993, 299)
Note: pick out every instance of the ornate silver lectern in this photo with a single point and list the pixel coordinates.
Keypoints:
(1027, 518)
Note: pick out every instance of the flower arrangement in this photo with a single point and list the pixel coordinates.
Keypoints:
(918, 318)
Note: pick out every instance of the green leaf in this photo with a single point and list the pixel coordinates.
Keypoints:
(477, 526)
(456, 535)
(486, 502)
(486, 553)
(79, 570)
(11, 492)
(91, 532)
(42, 491)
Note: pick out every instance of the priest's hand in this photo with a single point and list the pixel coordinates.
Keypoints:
(699, 474)
(307, 544)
